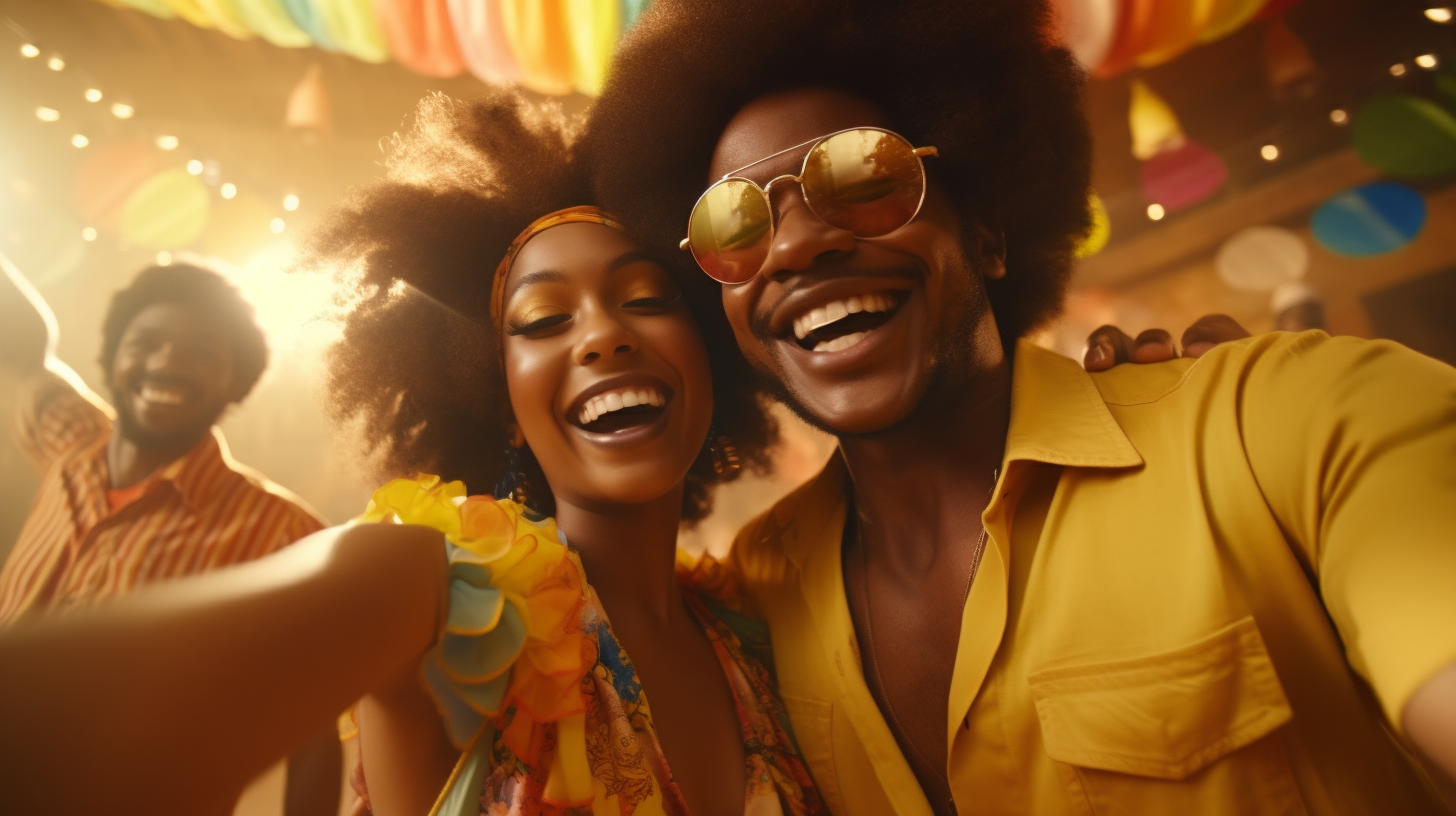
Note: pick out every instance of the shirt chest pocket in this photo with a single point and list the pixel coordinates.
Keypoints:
(1191, 730)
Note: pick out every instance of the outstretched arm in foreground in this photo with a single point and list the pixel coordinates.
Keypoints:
(170, 700)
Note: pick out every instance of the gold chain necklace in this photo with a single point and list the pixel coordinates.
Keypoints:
(870, 626)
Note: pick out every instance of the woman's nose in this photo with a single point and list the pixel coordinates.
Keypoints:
(604, 336)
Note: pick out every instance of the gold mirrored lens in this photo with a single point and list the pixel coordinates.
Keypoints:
(729, 230)
(869, 182)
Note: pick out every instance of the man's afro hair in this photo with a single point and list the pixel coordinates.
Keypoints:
(978, 79)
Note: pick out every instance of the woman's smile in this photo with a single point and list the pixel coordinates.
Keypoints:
(622, 411)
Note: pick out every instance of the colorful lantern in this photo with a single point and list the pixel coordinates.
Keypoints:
(1227, 17)
(307, 18)
(1153, 124)
(594, 27)
(1180, 178)
(421, 36)
(353, 28)
(1099, 233)
(107, 179)
(1406, 136)
(481, 37)
(536, 30)
(308, 104)
(1261, 259)
(1086, 28)
(270, 20)
(156, 8)
(168, 210)
(1173, 29)
(1286, 59)
(191, 11)
(225, 18)
(1372, 219)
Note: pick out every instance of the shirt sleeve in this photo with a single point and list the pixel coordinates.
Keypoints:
(1353, 443)
(55, 413)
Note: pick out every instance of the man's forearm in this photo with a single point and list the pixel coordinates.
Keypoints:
(27, 326)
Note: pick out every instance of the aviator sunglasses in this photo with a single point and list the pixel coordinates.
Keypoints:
(868, 181)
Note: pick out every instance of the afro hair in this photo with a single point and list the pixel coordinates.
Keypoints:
(197, 288)
(418, 366)
(979, 79)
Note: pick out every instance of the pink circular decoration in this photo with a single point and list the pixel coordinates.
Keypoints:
(1183, 177)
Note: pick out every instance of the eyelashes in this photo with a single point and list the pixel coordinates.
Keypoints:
(516, 328)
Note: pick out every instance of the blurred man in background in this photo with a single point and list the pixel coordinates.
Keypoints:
(145, 490)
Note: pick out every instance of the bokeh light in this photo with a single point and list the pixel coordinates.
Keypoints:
(122, 110)
(228, 190)
(79, 141)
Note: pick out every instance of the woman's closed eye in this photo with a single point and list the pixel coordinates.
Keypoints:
(652, 302)
(535, 325)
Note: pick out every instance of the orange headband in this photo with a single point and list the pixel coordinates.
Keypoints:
(570, 215)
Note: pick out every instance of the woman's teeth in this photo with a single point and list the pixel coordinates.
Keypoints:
(841, 343)
(838, 310)
(165, 396)
(617, 399)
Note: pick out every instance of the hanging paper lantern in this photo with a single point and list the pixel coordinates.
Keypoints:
(353, 27)
(1227, 17)
(593, 27)
(1154, 126)
(631, 10)
(1180, 178)
(307, 18)
(270, 20)
(420, 36)
(1261, 259)
(168, 210)
(1372, 219)
(1172, 29)
(536, 30)
(308, 104)
(191, 11)
(1406, 136)
(1286, 59)
(108, 177)
(1099, 233)
(481, 37)
(1086, 28)
(225, 18)
(156, 8)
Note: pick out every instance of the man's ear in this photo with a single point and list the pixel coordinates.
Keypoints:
(990, 251)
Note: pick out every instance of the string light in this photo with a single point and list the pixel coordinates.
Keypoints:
(93, 95)
(194, 167)
(47, 114)
(1426, 61)
(80, 141)
(167, 142)
(1397, 69)
(56, 64)
(121, 110)
(276, 225)
(290, 202)
(1339, 116)
(228, 190)
(1269, 152)
(164, 258)
(88, 234)
(29, 51)
(1156, 212)
(1439, 14)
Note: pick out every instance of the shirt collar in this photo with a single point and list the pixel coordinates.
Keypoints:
(195, 475)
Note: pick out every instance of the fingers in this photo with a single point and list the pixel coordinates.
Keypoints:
(1106, 347)
(1153, 346)
(1210, 330)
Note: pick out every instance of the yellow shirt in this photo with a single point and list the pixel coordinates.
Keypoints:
(1109, 658)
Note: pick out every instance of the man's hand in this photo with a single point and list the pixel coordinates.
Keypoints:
(1108, 346)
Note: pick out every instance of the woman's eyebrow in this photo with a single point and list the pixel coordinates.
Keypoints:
(533, 278)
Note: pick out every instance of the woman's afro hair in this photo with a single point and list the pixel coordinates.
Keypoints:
(418, 365)
(978, 79)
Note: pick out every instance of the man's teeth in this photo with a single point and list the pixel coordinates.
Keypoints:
(841, 343)
(617, 399)
(165, 396)
(840, 309)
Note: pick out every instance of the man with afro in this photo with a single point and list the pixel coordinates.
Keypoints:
(143, 490)
(1215, 585)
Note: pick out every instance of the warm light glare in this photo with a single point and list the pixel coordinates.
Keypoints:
(56, 64)
(31, 52)
(276, 225)
(1438, 14)
(290, 202)
(88, 234)
(164, 258)
(194, 167)
(1269, 152)
(1426, 61)
(93, 95)
(1156, 212)
(47, 114)
(1397, 69)
(167, 142)
(80, 141)
(228, 190)
(1339, 117)
(122, 111)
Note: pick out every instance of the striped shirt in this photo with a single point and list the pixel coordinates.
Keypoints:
(201, 512)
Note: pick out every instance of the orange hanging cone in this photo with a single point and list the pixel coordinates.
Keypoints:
(1154, 126)
(308, 105)
(1287, 61)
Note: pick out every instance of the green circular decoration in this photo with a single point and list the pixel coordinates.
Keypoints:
(1406, 136)
(167, 211)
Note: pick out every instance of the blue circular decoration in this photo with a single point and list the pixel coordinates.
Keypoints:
(1372, 219)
